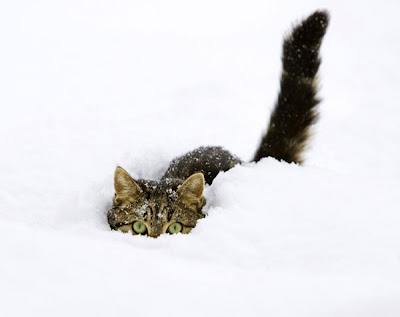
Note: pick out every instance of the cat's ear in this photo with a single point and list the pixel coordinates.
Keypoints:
(125, 187)
(191, 191)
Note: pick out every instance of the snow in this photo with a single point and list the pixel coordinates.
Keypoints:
(88, 85)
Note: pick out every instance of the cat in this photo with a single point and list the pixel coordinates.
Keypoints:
(174, 203)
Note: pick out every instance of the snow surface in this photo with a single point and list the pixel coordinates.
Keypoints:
(88, 85)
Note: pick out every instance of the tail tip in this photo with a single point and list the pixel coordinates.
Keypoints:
(319, 19)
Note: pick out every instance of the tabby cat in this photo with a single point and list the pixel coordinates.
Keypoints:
(174, 203)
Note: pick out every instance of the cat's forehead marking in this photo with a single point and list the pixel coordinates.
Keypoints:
(162, 189)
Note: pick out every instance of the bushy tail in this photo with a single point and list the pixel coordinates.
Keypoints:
(295, 110)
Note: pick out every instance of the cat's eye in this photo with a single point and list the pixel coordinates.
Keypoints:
(139, 227)
(175, 227)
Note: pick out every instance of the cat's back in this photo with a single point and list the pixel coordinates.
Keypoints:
(207, 160)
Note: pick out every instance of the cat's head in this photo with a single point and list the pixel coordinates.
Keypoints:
(156, 207)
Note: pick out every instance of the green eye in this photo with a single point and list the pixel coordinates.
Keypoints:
(139, 227)
(175, 227)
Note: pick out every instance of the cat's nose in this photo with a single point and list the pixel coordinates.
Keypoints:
(153, 235)
(155, 231)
